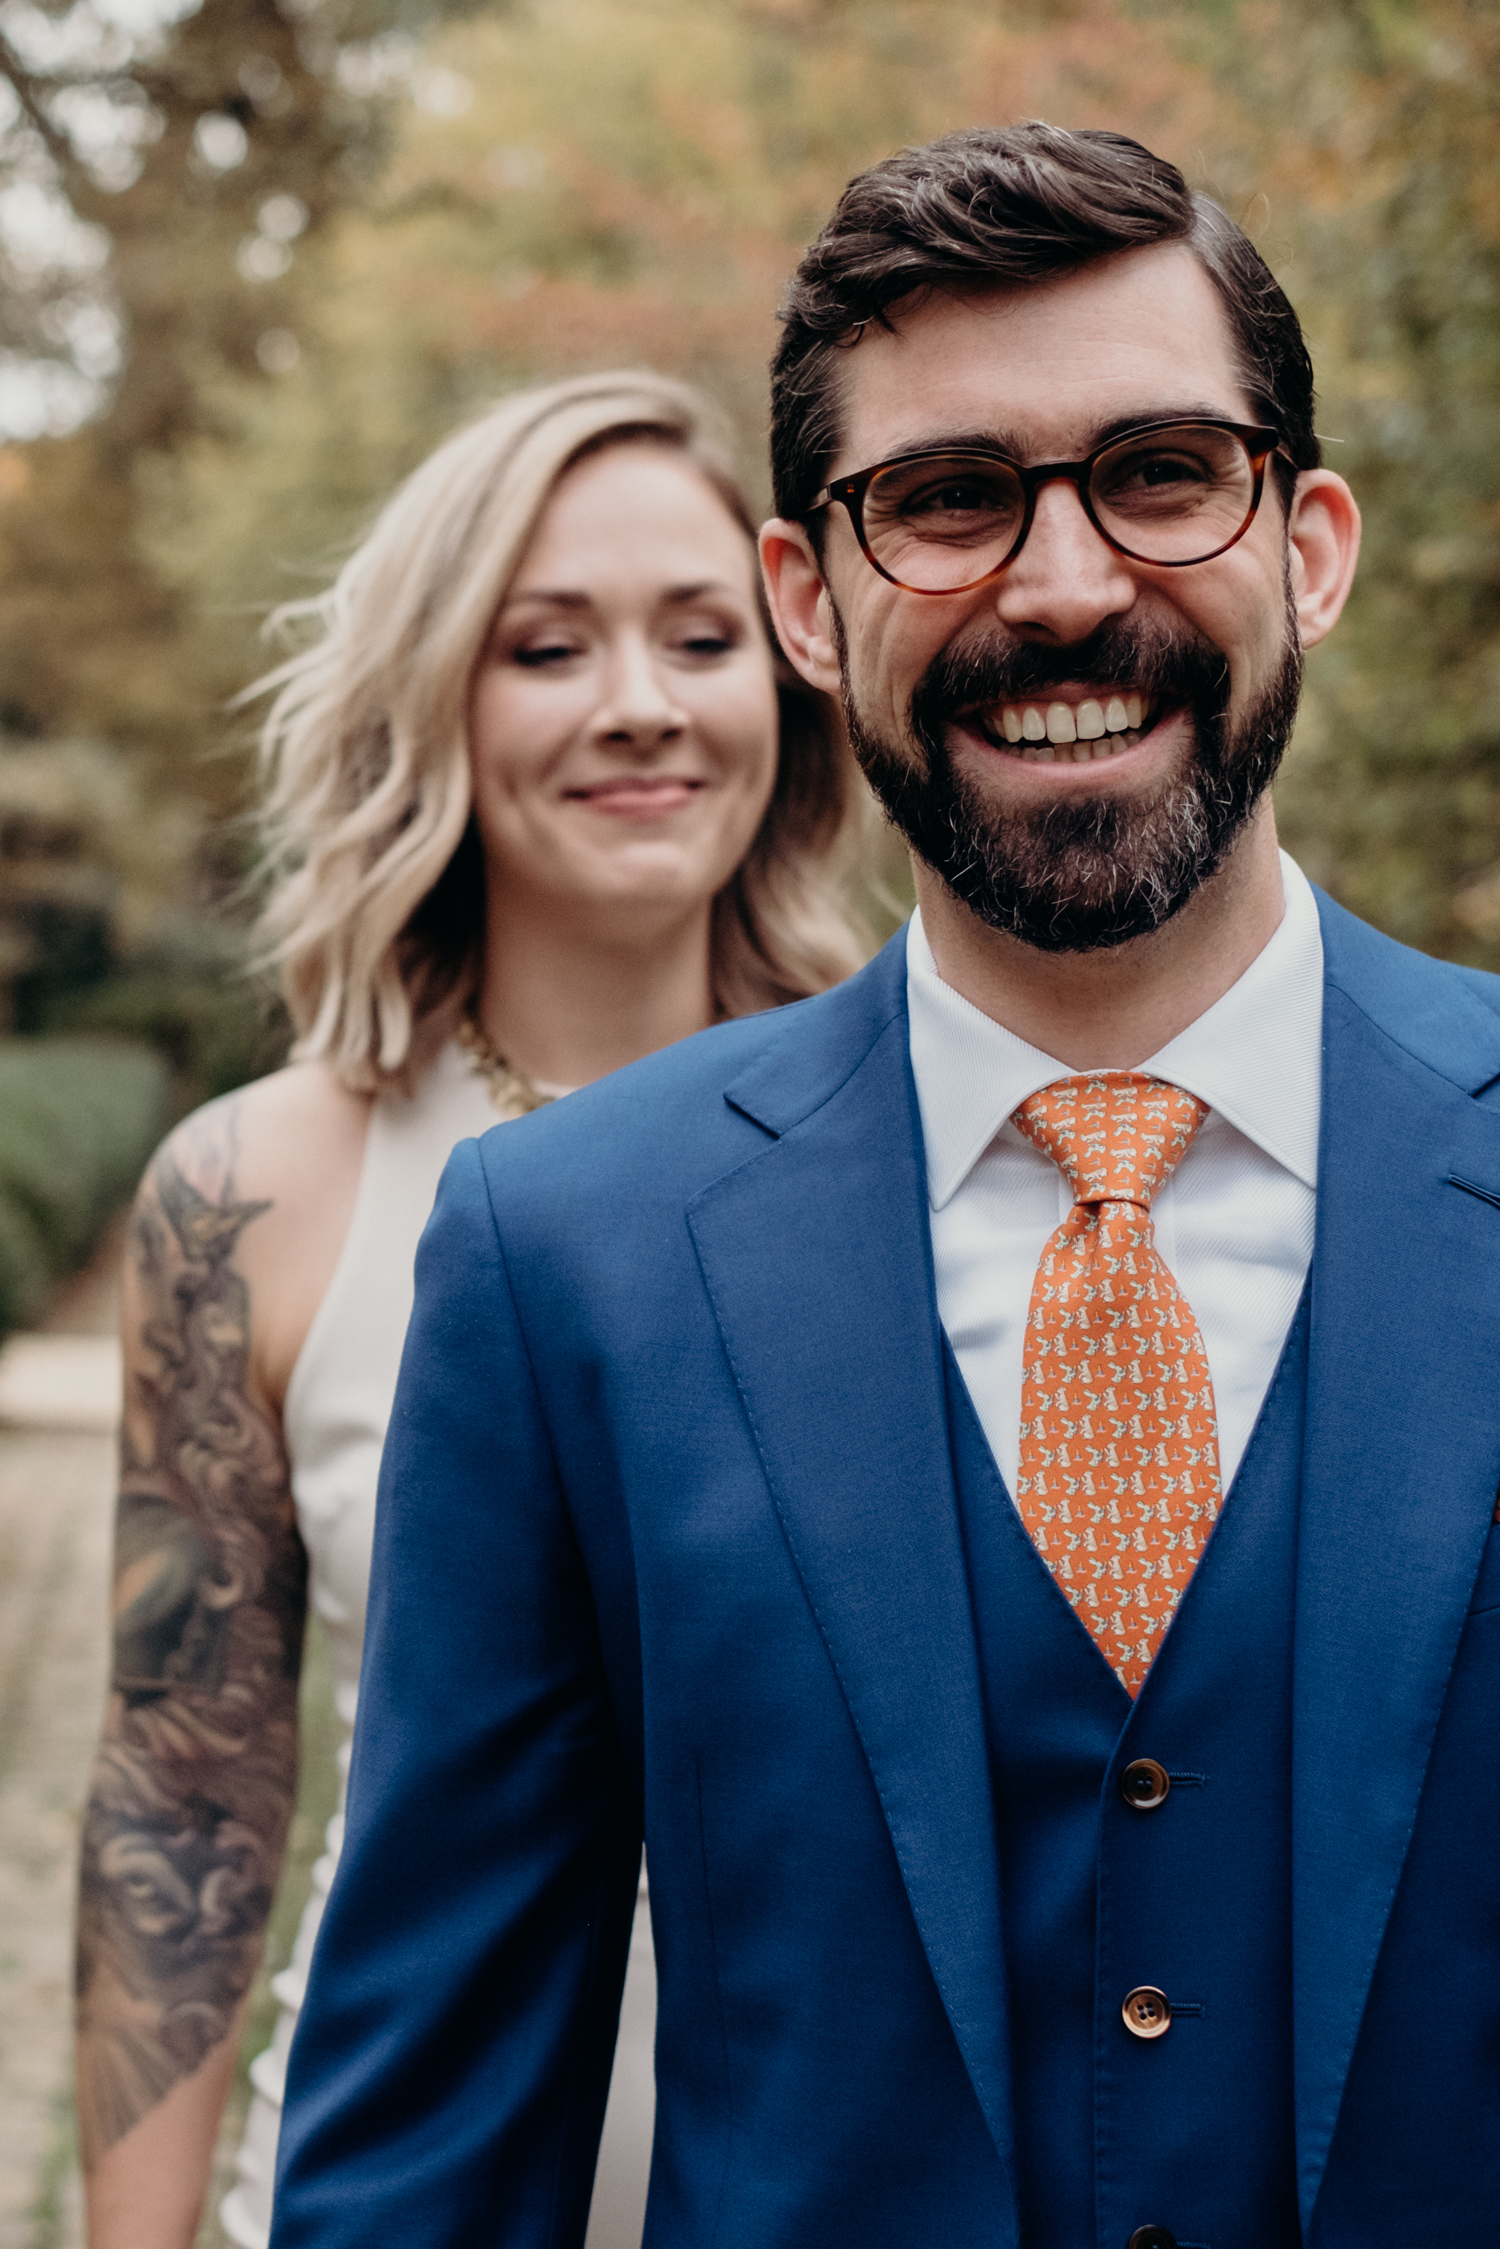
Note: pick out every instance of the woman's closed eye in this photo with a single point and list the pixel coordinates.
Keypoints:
(705, 643)
(540, 655)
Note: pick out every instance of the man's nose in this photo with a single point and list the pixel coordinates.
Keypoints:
(1067, 578)
(637, 707)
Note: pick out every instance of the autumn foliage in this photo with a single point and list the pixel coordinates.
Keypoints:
(535, 188)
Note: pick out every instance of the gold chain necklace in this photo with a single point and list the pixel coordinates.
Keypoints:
(511, 1091)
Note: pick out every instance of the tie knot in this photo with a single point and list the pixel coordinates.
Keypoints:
(1116, 1135)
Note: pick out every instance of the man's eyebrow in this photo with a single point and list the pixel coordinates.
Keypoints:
(1013, 445)
(1004, 444)
(1195, 410)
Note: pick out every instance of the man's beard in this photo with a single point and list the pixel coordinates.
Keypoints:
(1080, 874)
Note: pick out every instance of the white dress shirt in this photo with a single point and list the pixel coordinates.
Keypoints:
(1234, 1222)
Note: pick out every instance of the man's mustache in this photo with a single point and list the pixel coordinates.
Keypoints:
(1171, 666)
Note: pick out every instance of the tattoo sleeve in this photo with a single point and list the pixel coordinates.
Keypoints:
(195, 1781)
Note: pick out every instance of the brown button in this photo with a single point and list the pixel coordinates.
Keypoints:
(1147, 2012)
(1144, 1784)
(1152, 2237)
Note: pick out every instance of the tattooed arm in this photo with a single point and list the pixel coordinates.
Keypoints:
(195, 1781)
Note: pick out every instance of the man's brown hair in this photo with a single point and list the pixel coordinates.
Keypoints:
(996, 206)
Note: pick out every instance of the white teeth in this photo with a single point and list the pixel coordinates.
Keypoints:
(1061, 722)
(1075, 753)
(1061, 734)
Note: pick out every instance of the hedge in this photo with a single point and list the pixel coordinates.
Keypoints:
(78, 1119)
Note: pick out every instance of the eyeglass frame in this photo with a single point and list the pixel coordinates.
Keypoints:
(1260, 444)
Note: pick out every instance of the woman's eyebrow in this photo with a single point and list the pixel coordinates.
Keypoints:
(562, 597)
(554, 597)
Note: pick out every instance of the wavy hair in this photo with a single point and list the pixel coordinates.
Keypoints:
(373, 907)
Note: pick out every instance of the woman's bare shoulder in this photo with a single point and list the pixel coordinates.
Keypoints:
(288, 1136)
(279, 1160)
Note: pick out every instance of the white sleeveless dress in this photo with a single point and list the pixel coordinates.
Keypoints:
(337, 1404)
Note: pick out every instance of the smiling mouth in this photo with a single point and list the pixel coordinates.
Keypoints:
(1079, 731)
(637, 788)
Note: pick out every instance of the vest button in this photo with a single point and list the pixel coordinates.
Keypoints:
(1152, 2237)
(1147, 2012)
(1144, 1784)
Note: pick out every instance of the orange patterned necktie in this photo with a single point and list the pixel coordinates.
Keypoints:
(1119, 1481)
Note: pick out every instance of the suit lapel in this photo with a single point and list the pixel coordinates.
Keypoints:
(1401, 1464)
(817, 1259)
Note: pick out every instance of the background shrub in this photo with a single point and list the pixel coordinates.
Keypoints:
(78, 1118)
(216, 1031)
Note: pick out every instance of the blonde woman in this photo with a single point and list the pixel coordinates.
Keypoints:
(541, 798)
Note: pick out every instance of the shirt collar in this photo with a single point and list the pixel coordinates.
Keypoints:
(1255, 1056)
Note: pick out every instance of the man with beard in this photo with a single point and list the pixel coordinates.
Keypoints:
(993, 1471)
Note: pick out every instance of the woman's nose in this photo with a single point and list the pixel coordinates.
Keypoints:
(638, 705)
(1067, 578)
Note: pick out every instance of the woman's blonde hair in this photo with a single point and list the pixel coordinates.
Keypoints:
(374, 912)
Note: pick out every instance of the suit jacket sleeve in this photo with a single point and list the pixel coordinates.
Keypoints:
(448, 2079)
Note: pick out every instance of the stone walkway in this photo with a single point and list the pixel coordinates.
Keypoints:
(58, 1406)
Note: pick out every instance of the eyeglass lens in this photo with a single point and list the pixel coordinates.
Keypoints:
(1170, 495)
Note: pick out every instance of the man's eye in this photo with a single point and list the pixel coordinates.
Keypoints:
(1156, 469)
(967, 496)
(1146, 474)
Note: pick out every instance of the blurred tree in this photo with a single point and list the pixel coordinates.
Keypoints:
(1372, 128)
(561, 183)
(171, 169)
(587, 183)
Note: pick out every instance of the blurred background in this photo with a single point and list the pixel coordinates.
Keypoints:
(258, 255)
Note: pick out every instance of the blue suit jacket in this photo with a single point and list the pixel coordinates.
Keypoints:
(668, 1544)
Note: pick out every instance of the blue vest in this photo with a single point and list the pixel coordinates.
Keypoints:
(1115, 2132)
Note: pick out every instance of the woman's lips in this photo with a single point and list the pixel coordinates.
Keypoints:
(637, 798)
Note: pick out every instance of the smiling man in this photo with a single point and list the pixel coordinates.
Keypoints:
(993, 1471)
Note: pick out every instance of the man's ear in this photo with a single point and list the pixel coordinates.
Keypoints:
(1323, 531)
(799, 602)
